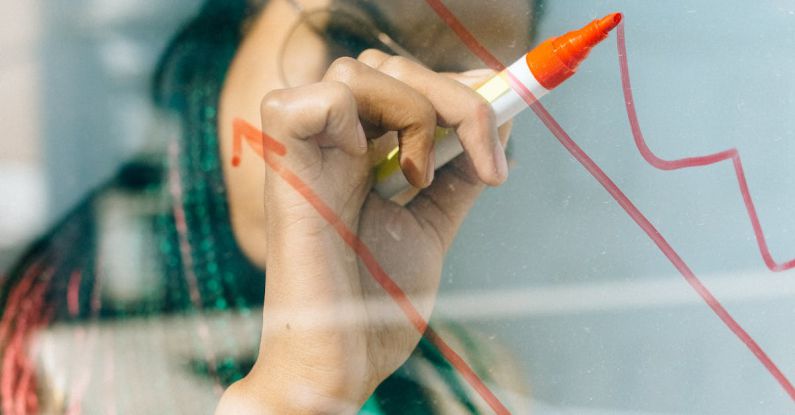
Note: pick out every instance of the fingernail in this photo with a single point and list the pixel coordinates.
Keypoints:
(362, 138)
(500, 161)
(429, 170)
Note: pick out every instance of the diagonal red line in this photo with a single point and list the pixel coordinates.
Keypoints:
(465, 35)
(581, 156)
(243, 130)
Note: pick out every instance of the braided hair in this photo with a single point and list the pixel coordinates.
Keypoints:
(201, 267)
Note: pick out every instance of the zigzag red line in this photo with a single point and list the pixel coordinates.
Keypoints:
(581, 156)
(688, 162)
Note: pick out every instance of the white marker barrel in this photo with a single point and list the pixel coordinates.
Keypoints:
(506, 103)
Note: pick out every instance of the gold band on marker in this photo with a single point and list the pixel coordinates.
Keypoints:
(491, 90)
(391, 163)
(494, 87)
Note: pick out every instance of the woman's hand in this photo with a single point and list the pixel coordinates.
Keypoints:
(331, 334)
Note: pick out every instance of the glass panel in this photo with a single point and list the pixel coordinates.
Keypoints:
(637, 260)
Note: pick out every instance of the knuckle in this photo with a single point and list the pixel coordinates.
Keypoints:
(337, 97)
(372, 57)
(343, 69)
(428, 121)
(337, 92)
(483, 112)
(272, 104)
(397, 67)
(426, 138)
(422, 113)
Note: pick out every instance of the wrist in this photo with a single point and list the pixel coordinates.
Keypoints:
(240, 399)
(261, 397)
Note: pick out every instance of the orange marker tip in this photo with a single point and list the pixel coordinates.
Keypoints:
(556, 59)
(610, 21)
(235, 161)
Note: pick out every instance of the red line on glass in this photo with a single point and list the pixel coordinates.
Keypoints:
(73, 293)
(731, 154)
(581, 156)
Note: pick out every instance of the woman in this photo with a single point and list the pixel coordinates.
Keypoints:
(213, 237)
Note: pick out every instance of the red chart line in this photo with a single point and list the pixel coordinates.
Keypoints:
(689, 162)
(637, 216)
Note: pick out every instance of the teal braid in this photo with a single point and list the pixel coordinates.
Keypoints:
(188, 84)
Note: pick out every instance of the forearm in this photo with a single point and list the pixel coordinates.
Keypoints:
(312, 356)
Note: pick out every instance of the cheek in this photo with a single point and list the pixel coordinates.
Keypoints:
(303, 58)
(251, 237)
(245, 186)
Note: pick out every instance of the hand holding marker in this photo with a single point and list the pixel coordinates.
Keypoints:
(540, 70)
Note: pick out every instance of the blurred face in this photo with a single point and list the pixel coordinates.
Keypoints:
(331, 29)
(280, 44)
(502, 26)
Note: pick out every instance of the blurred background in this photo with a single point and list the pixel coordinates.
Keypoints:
(548, 264)
(75, 77)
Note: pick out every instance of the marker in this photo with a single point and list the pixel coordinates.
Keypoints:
(540, 70)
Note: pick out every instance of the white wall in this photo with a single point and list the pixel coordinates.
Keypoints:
(74, 77)
(23, 203)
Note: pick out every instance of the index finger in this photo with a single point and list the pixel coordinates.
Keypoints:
(391, 104)
(457, 106)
